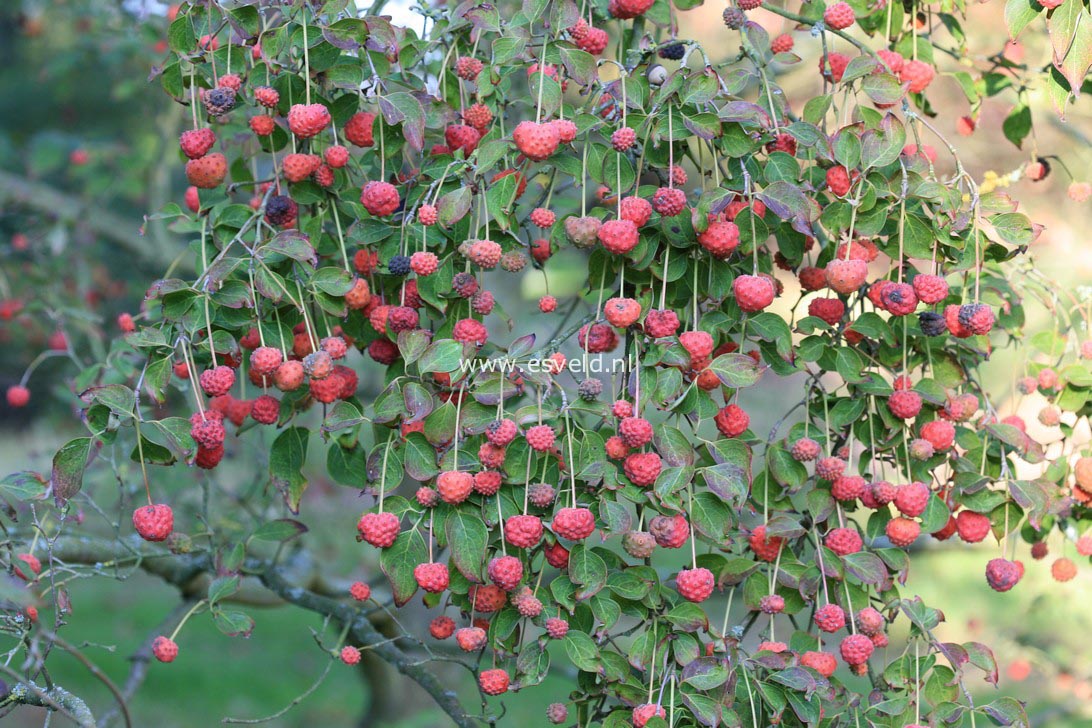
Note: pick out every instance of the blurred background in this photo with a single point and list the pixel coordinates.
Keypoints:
(85, 135)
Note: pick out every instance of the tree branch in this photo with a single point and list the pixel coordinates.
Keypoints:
(365, 633)
(182, 569)
(55, 698)
(50, 201)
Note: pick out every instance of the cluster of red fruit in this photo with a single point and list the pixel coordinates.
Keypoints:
(686, 282)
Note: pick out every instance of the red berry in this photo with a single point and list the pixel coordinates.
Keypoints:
(772, 604)
(829, 310)
(822, 662)
(454, 486)
(379, 198)
(844, 541)
(493, 682)
(359, 129)
(154, 522)
(462, 136)
(379, 529)
(905, 404)
(1063, 570)
(575, 524)
(267, 96)
(1002, 574)
(18, 395)
(856, 649)
(839, 16)
(501, 432)
(442, 627)
(930, 289)
(805, 450)
(848, 487)
(308, 120)
(470, 639)
(732, 420)
(918, 74)
(208, 171)
(669, 201)
(265, 410)
(541, 217)
(972, 527)
(766, 549)
(196, 143)
(262, 125)
(468, 68)
(846, 276)
(506, 572)
(536, 141)
(637, 210)
(643, 468)
(164, 649)
(623, 139)
(902, 532)
(939, 433)
(830, 618)
(753, 293)
(540, 437)
(432, 577)
(619, 236)
(720, 239)
(622, 312)
(642, 714)
(523, 531)
(782, 43)
(695, 585)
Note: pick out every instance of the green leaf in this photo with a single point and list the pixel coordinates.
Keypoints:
(784, 468)
(1007, 711)
(1013, 228)
(705, 673)
(404, 108)
(290, 244)
(582, 651)
(246, 20)
(335, 281)
(735, 370)
(1018, 13)
(1017, 125)
(1075, 63)
(587, 570)
(441, 356)
(119, 398)
(398, 562)
(233, 624)
(412, 344)
(23, 486)
(180, 36)
(222, 587)
(579, 64)
(710, 516)
(68, 466)
(467, 535)
(453, 206)
(286, 459)
(280, 530)
(866, 567)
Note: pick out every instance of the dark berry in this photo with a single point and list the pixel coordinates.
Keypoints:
(399, 265)
(673, 52)
(932, 324)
